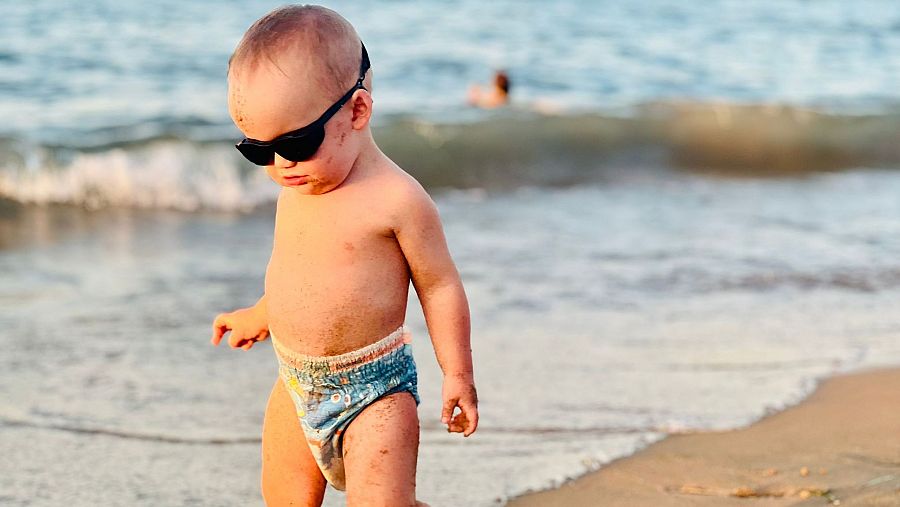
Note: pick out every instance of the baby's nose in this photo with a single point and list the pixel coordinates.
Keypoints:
(283, 163)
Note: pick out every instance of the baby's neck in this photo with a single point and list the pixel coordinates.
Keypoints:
(368, 155)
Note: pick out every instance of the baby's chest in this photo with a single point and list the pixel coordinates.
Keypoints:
(327, 240)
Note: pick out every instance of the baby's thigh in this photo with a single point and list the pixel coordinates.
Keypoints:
(290, 475)
(380, 450)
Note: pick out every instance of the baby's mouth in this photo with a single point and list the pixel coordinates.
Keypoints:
(299, 179)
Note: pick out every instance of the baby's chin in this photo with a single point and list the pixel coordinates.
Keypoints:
(309, 187)
(300, 188)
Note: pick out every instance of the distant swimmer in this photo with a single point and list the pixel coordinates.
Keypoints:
(495, 96)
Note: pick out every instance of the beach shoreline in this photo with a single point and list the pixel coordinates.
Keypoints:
(838, 446)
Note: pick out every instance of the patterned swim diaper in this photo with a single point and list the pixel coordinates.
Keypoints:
(330, 391)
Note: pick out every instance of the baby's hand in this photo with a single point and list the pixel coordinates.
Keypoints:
(247, 326)
(459, 390)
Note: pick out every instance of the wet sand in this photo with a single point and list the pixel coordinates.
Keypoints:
(840, 446)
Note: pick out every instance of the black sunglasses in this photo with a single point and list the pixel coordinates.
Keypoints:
(301, 144)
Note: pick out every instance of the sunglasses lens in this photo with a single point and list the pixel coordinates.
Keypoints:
(259, 155)
(303, 148)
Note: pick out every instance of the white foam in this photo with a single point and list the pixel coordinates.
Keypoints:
(173, 175)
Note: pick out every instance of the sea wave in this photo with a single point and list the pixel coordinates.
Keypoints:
(192, 169)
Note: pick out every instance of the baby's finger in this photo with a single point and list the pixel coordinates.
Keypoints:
(236, 339)
(247, 345)
(458, 423)
(220, 327)
(471, 412)
(449, 405)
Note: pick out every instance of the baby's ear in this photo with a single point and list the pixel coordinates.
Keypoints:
(361, 101)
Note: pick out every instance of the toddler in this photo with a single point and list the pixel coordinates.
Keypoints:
(352, 229)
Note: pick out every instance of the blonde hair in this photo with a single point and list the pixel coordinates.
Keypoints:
(323, 38)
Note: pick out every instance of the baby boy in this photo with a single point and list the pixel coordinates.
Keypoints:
(352, 229)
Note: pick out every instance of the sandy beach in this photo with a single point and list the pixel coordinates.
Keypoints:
(840, 446)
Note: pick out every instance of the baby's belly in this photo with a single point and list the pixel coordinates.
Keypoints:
(327, 309)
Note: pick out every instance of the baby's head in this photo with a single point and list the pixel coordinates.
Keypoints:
(289, 69)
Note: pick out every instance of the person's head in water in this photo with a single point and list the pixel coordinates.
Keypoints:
(501, 82)
(291, 67)
(496, 95)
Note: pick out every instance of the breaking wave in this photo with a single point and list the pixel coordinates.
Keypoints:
(192, 172)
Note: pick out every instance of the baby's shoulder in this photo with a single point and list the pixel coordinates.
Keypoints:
(402, 189)
(402, 196)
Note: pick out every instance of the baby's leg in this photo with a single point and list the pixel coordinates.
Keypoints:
(380, 448)
(290, 475)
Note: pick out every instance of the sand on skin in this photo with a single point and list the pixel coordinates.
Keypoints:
(840, 446)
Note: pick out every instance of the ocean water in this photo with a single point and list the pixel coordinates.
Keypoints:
(688, 217)
(104, 64)
(123, 103)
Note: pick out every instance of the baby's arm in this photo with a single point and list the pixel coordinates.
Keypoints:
(247, 326)
(444, 303)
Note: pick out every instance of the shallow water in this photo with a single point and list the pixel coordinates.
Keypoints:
(604, 317)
